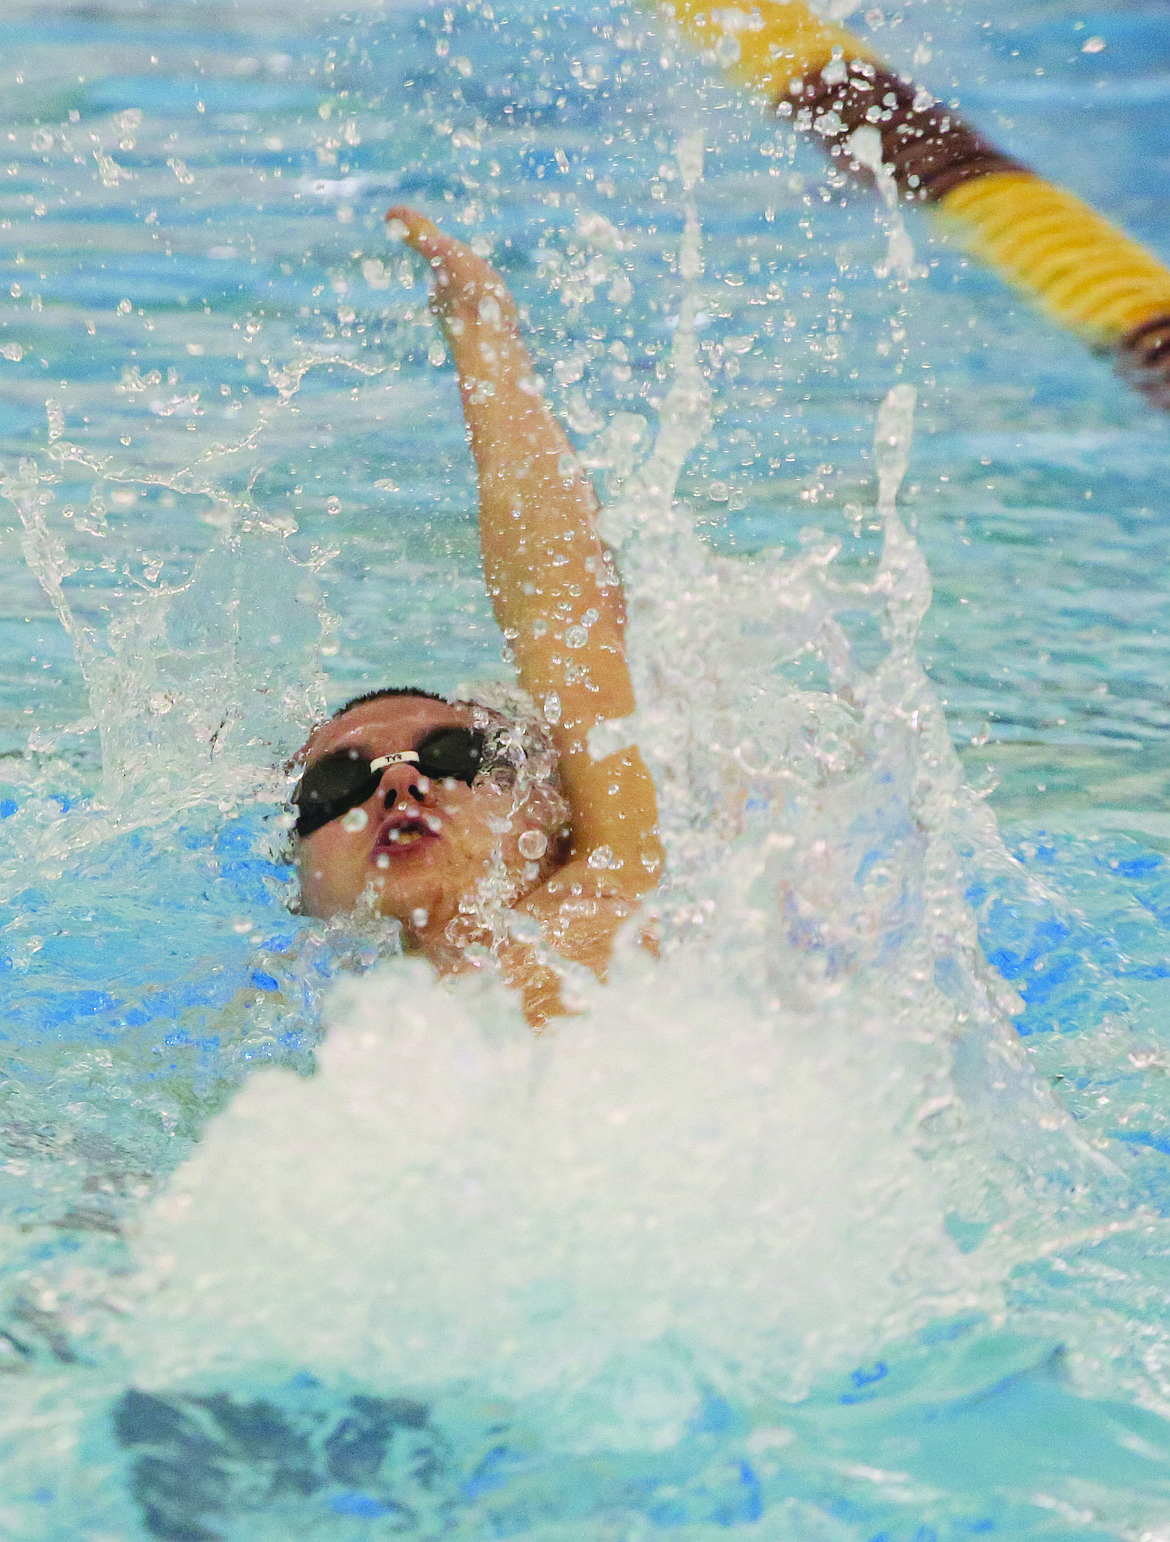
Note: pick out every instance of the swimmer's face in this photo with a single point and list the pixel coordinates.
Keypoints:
(417, 846)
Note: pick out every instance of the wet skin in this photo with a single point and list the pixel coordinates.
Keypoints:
(425, 844)
(546, 568)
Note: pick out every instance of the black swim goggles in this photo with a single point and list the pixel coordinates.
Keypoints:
(333, 785)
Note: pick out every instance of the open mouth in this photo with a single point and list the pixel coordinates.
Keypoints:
(406, 837)
(405, 832)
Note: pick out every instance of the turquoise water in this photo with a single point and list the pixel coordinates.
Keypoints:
(788, 1237)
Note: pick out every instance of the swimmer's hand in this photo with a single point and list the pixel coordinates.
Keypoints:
(468, 294)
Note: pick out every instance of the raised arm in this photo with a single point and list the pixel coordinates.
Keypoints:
(553, 586)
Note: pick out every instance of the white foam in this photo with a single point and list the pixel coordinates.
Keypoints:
(455, 1200)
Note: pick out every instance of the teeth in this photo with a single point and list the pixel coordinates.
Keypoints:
(405, 837)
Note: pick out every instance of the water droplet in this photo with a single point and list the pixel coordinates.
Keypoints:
(576, 636)
(333, 505)
(533, 844)
(601, 858)
(357, 819)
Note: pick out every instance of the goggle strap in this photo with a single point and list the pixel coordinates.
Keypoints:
(394, 760)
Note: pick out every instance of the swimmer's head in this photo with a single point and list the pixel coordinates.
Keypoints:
(423, 808)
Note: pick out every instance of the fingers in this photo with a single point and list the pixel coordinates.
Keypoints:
(445, 255)
(428, 240)
(418, 231)
(463, 281)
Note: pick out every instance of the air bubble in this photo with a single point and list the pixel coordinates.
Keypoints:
(356, 820)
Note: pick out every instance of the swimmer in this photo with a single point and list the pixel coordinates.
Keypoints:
(487, 834)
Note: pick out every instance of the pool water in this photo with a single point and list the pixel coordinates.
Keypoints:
(845, 1219)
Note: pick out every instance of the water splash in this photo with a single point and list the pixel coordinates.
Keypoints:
(816, 978)
(657, 1198)
(865, 146)
(195, 688)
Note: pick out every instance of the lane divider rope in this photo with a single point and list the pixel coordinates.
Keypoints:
(1049, 244)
